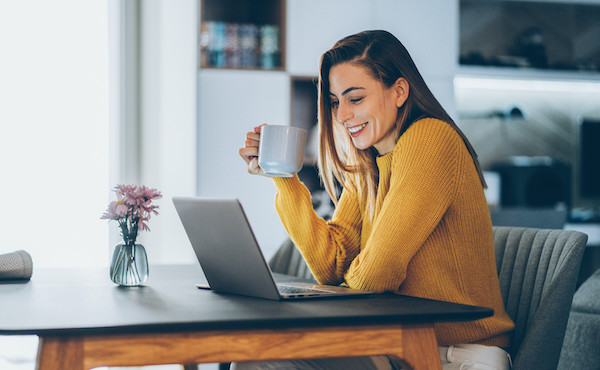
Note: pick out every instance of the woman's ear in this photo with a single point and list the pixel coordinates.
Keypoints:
(402, 89)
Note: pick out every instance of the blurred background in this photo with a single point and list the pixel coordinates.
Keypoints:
(161, 93)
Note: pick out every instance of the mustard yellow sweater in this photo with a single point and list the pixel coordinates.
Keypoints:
(430, 235)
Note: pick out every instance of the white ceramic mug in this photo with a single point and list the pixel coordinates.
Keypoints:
(281, 150)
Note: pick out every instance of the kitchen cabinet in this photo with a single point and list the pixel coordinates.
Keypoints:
(556, 38)
(542, 57)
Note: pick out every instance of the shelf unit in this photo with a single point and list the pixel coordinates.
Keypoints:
(561, 37)
(240, 34)
(303, 114)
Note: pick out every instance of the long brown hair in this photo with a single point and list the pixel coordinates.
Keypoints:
(386, 59)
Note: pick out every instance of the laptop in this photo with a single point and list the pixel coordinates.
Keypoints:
(230, 256)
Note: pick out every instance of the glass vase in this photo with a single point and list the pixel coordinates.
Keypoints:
(129, 266)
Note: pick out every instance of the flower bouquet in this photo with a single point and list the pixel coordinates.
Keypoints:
(132, 210)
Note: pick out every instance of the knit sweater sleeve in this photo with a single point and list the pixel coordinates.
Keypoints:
(327, 246)
(422, 186)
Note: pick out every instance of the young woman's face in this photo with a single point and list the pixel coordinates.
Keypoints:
(367, 109)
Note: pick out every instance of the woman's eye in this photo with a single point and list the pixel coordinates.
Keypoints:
(334, 104)
(356, 100)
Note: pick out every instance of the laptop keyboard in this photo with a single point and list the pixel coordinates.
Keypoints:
(286, 289)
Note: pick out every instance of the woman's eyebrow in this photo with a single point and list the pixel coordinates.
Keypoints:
(348, 90)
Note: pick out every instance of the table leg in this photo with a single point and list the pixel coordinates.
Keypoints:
(59, 353)
(419, 350)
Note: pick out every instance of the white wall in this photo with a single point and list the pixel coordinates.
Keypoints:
(231, 103)
(168, 120)
(313, 26)
(54, 131)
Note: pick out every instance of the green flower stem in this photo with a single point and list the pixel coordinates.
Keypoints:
(126, 258)
(118, 262)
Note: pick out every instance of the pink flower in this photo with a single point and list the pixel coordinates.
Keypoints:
(132, 209)
(116, 210)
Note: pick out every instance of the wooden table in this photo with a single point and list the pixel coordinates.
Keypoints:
(85, 321)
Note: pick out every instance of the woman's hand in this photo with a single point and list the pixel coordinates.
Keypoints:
(249, 152)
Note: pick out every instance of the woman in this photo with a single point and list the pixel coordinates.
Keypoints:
(412, 217)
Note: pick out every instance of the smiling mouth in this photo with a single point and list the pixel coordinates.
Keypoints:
(356, 129)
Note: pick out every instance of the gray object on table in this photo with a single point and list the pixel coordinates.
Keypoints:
(16, 266)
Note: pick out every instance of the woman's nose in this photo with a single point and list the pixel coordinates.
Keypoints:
(344, 113)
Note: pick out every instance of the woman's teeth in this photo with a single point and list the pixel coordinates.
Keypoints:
(356, 129)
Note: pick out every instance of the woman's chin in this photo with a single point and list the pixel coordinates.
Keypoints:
(358, 144)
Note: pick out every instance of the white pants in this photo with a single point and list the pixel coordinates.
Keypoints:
(474, 356)
(459, 357)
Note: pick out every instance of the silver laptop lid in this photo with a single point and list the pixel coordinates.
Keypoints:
(226, 246)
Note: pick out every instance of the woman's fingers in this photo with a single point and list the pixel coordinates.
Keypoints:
(253, 137)
(250, 148)
(253, 167)
(247, 153)
(250, 151)
(258, 128)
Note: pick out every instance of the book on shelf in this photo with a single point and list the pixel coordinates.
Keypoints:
(233, 45)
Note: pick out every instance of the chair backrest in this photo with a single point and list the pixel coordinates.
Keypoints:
(288, 260)
(537, 270)
(543, 218)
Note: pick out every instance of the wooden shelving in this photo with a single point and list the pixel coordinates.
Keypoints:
(303, 102)
(239, 34)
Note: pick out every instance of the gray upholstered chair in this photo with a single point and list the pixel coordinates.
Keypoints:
(538, 270)
(288, 261)
(581, 347)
